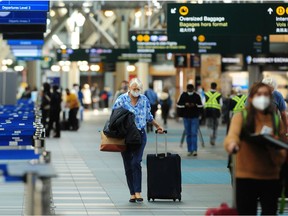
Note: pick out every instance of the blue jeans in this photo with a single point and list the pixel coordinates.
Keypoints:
(132, 164)
(191, 129)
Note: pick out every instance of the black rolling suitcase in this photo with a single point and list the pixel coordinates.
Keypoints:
(163, 175)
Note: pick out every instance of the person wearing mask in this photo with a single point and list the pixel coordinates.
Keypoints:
(279, 103)
(213, 104)
(55, 110)
(191, 106)
(257, 164)
(153, 99)
(45, 103)
(139, 105)
(166, 103)
(73, 104)
(123, 89)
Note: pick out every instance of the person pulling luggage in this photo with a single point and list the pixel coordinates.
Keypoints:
(138, 104)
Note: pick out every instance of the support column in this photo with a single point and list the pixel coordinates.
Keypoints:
(143, 73)
(121, 73)
(255, 74)
(73, 75)
(34, 74)
(123, 28)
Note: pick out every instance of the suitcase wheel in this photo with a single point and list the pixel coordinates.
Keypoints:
(174, 200)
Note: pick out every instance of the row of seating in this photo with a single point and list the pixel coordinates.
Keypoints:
(23, 155)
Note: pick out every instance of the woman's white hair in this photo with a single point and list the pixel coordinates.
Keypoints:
(137, 82)
(270, 81)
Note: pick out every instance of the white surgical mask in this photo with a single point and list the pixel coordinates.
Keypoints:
(261, 102)
(190, 93)
(135, 93)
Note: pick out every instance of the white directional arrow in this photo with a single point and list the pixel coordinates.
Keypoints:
(270, 11)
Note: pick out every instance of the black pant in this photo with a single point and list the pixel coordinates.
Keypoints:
(73, 121)
(248, 191)
(54, 117)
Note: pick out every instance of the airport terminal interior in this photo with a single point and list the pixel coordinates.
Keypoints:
(66, 65)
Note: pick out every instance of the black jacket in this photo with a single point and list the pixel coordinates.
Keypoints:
(189, 112)
(121, 125)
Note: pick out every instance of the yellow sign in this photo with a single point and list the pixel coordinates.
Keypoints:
(140, 38)
(280, 10)
(146, 38)
(183, 10)
(201, 38)
(258, 38)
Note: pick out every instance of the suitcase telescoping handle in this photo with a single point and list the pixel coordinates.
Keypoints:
(165, 132)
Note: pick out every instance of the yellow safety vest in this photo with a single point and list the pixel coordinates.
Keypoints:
(212, 100)
(240, 103)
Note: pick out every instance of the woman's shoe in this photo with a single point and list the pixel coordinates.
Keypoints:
(139, 200)
(132, 200)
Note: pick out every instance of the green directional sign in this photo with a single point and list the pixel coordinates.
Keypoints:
(253, 44)
(153, 41)
(226, 19)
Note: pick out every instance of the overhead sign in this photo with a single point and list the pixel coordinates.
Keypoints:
(25, 42)
(148, 41)
(267, 60)
(228, 44)
(233, 62)
(102, 55)
(20, 17)
(17, 5)
(226, 19)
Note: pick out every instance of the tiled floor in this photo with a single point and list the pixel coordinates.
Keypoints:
(91, 182)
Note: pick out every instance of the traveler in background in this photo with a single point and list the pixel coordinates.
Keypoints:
(153, 99)
(213, 104)
(278, 100)
(77, 91)
(95, 96)
(191, 107)
(166, 103)
(73, 104)
(45, 103)
(258, 165)
(123, 89)
(87, 98)
(138, 104)
(236, 104)
(54, 116)
(27, 93)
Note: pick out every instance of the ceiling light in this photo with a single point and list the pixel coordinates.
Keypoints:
(108, 13)
(94, 67)
(148, 12)
(66, 68)
(84, 67)
(131, 68)
(55, 68)
(138, 14)
(9, 61)
(52, 13)
(19, 68)
(80, 20)
(4, 68)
